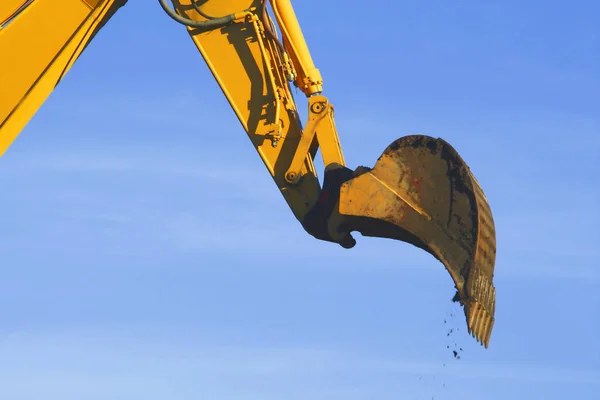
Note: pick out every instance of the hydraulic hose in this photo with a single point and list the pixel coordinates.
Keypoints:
(268, 28)
(199, 11)
(211, 24)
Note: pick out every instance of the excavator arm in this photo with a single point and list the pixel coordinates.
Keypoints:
(39, 42)
(419, 191)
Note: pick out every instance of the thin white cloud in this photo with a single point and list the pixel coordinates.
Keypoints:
(96, 219)
(503, 372)
(107, 363)
(78, 161)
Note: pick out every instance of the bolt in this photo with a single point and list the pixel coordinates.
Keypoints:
(291, 176)
(317, 107)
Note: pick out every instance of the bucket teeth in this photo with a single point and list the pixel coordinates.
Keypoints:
(479, 293)
(479, 322)
(479, 299)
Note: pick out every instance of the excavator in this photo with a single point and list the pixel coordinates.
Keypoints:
(420, 191)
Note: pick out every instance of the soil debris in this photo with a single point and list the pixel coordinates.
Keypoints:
(456, 350)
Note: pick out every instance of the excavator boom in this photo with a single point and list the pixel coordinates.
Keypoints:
(420, 191)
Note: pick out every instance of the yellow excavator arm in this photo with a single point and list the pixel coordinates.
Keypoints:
(419, 191)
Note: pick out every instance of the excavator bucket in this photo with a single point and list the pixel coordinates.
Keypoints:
(422, 192)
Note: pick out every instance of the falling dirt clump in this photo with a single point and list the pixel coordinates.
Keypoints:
(456, 350)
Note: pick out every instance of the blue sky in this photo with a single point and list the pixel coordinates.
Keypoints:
(147, 254)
